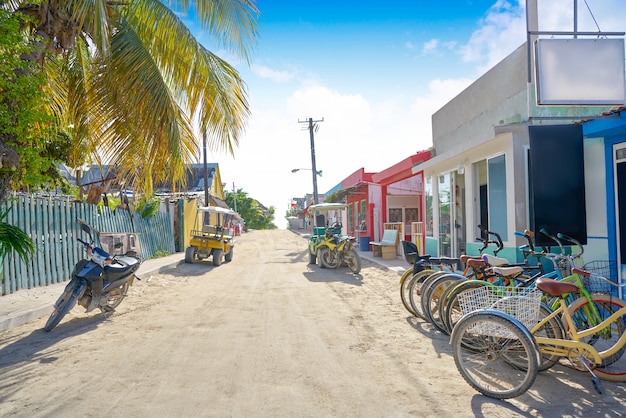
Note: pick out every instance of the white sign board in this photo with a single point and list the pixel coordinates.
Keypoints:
(580, 72)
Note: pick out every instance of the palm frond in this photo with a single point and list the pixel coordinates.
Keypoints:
(13, 238)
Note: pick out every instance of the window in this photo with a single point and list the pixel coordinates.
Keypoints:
(444, 186)
(496, 195)
(362, 216)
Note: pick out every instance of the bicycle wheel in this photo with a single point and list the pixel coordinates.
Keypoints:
(607, 338)
(452, 311)
(418, 287)
(432, 295)
(415, 292)
(551, 329)
(443, 301)
(605, 341)
(487, 366)
(405, 281)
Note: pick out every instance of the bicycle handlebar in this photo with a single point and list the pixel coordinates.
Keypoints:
(558, 239)
(574, 241)
(583, 272)
(485, 240)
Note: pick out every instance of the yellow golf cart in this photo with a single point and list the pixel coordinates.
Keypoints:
(212, 235)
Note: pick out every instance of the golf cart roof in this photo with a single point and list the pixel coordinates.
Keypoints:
(217, 209)
(327, 206)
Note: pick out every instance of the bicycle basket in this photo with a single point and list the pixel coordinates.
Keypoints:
(604, 268)
(563, 264)
(521, 304)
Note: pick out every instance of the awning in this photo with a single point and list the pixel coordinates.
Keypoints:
(340, 194)
(214, 201)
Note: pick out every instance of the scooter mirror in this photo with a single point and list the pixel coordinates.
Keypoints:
(85, 228)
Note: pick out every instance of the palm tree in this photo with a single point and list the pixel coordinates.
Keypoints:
(128, 81)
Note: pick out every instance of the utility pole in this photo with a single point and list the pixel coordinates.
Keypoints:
(235, 196)
(206, 172)
(313, 126)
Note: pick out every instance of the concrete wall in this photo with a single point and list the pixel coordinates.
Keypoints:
(498, 97)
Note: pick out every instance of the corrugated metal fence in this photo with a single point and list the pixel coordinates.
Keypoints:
(51, 223)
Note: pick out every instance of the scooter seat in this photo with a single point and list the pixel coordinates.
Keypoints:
(122, 262)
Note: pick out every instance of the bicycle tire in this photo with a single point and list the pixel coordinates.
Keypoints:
(452, 311)
(551, 329)
(487, 367)
(432, 295)
(425, 288)
(418, 287)
(405, 283)
(443, 301)
(415, 284)
(608, 337)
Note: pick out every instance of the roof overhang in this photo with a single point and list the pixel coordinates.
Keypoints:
(401, 170)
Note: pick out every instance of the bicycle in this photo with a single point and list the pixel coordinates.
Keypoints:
(496, 271)
(517, 276)
(420, 265)
(433, 288)
(497, 347)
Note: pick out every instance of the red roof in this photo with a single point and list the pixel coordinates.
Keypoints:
(401, 170)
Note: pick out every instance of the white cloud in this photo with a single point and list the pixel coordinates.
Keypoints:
(430, 46)
(501, 31)
(435, 46)
(274, 75)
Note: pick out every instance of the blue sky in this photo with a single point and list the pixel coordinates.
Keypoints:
(375, 72)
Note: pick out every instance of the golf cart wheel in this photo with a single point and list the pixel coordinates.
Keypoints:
(229, 255)
(190, 255)
(217, 257)
(319, 258)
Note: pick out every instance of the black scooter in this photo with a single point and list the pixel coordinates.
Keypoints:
(99, 281)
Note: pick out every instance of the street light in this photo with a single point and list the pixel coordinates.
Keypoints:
(295, 170)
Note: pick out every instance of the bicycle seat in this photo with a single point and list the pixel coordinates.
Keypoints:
(448, 261)
(507, 271)
(495, 261)
(464, 258)
(555, 287)
(477, 263)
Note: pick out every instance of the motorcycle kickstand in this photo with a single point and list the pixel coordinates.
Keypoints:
(107, 311)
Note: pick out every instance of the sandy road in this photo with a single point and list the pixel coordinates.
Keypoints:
(266, 335)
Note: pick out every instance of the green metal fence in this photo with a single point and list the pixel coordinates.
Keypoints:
(51, 223)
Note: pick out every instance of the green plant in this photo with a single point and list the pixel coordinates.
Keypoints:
(13, 238)
(148, 208)
(160, 253)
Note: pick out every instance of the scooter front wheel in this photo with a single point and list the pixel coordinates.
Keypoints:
(64, 304)
(353, 261)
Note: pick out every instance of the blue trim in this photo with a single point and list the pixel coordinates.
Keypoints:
(613, 130)
(611, 216)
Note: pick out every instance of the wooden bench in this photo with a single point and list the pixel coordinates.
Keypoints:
(386, 247)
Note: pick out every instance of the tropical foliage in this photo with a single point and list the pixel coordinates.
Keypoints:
(128, 84)
(254, 214)
(30, 146)
(13, 238)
